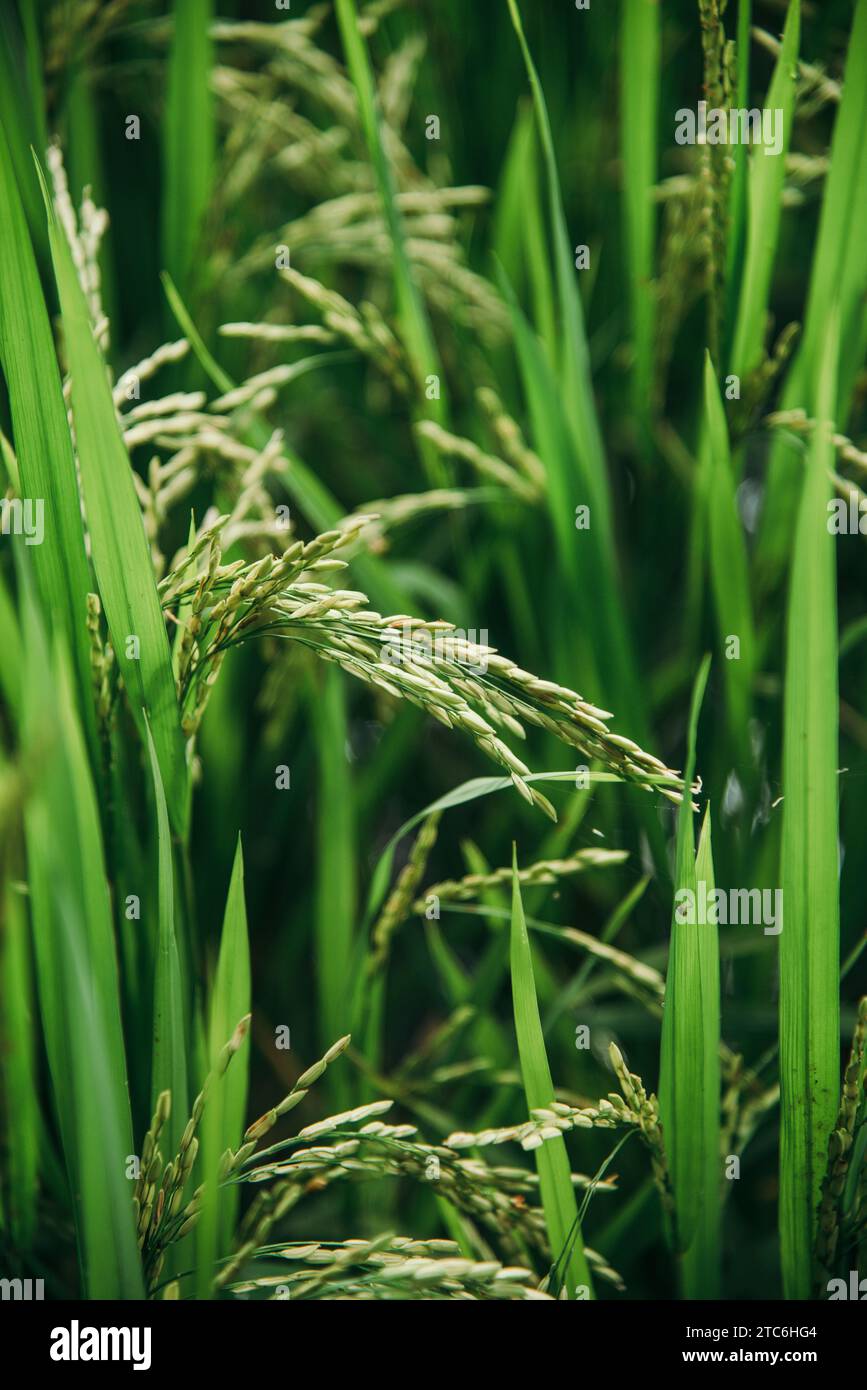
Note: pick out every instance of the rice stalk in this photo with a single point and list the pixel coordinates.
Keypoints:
(810, 943)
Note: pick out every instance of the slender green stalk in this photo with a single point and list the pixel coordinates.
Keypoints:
(189, 151)
(810, 940)
(417, 334)
(689, 1012)
(639, 105)
(121, 556)
(552, 1161)
(223, 1120)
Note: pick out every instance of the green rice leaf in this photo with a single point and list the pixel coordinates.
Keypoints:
(121, 555)
(76, 972)
(701, 1265)
(737, 200)
(335, 881)
(577, 389)
(169, 1061)
(810, 940)
(40, 431)
(223, 1119)
(417, 335)
(22, 109)
(11, 654)
(686, 1015)
(728, 564)
(839, 272)
(189, 136)
(19, 1060)
(520, 241)
(639, 106)
(586, 556)
(764, 206)
(552, 1160)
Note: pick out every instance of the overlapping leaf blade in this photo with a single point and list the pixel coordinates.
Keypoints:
(552, 1160)
(40, 431)
(169, 1060)
(223, 1119)
(76, 971)
(810, 940)
(121, 555)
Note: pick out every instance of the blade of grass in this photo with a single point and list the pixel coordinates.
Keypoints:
(189, 136)
(76, 973)
(737, 199)
(121, 554)
(810, 941)
(685, 1016)
(764, 206)
(41, 434)
(577, 390)
(728, 567)
(11, 655)
(417, 335)
(839, 271)
(700, 1267)
(223, 1118)
(585, 557)
(639, 105)
(519, 235)
(85, 165)
(169, 1056)
(20, 1074)
(22, 110)
(335, 867)
(552, 1160)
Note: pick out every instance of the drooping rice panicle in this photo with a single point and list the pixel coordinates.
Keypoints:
(546, 871)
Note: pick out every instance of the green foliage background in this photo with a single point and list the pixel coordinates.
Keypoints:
(700, 544)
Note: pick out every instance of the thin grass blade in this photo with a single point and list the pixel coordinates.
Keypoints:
(19, 1066)
(701, 1265)
(121, 554)
(681, 1084)
(764, 206)
(169, 1057)
(552, 1160)
(639, 106)
(810, 940)
(76, 971)
(223, 1119)
(729, 568)
(574, 354)
(839, 272)
(335, 883)
(417, 335)
(189, 136)
(40, 431)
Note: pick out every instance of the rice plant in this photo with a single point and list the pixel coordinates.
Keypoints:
(431, 661)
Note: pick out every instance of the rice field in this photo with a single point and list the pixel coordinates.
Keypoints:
(433, 750)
